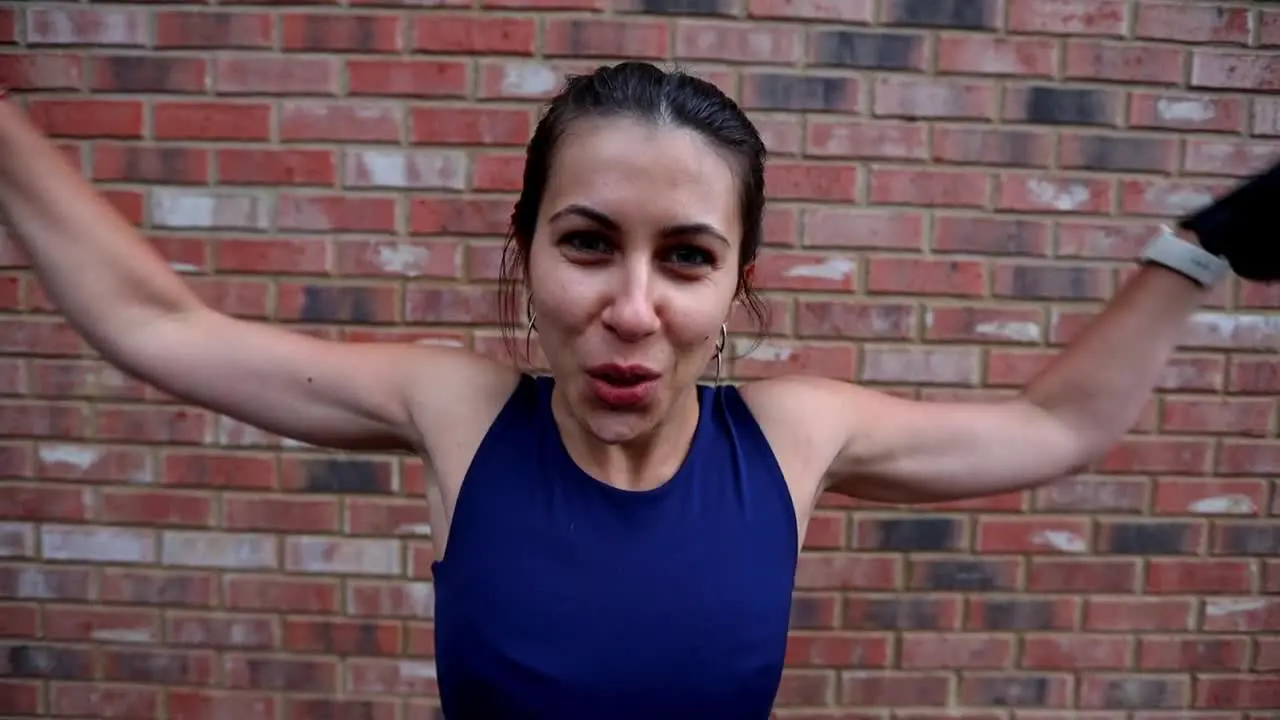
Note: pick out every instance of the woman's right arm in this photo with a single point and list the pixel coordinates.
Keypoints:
(140, 315)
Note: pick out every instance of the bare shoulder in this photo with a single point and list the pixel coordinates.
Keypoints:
(807, 421)
(456, 397)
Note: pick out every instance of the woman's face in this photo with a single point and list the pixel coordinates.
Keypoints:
(632, 269)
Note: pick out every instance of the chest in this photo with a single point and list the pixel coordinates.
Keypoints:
(671, 611)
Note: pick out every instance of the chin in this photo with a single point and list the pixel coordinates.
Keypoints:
(618, 426)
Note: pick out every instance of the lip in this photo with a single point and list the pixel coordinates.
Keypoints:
(622, 386)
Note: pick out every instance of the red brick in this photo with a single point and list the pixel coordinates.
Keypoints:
(156, 507)
(806, 271)
(884, 230)
(309, 121)
(212, 121)
(272, 75)
(348, 32)
(1053, 536)
(1077, 652)
(929, 188)
(190, 704)
(1238, 71)
(847, 138)
(497, 35)
(1056, 194)
(293, 167)
(734, 42)
(902, 96)
(962, 278)
(470, 126)
(88, 118)
(1147, 65)
(1196, 576)
(1067, 17)
(215, 30)
(1192, 23)
(989, 55)
(855, 320)
(411, 78)
(1203, 654)
(43, 71)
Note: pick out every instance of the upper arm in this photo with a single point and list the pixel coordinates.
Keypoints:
(881, 447)
(327, 393)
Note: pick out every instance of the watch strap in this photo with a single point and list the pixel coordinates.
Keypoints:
(1187, 258)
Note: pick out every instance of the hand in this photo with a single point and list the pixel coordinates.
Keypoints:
(1240, 227)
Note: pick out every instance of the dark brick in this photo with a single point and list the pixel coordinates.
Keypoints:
(971, 575)
(344, 476)
(142, 666)
(851, 48)
(908, 613)
(679, 7)
(1049, 282)
(969, 14)
(137, 73)
(800, 92)
(1053, 106)
(338, 304)
(1018, 615)
(1006, 691)
(1148, 539)
(56, 663)
(1136, 693)
(914, 534)
(1262, 538)
(1120, 154)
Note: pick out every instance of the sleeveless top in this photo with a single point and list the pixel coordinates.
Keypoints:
(562, 597)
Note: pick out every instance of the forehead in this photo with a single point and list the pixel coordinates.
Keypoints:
(640, 173)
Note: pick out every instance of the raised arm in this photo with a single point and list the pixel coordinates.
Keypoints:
(875, 446)
(131, 307)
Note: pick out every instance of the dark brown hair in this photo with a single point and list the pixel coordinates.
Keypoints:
(638, 91)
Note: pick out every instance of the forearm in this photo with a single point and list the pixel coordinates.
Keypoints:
(1098, 386)
(91, 262)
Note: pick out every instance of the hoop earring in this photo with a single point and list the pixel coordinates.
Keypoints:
(532, 327)
(721, 342)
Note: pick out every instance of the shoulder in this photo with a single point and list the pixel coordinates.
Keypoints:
(459, 394)
(807, 420)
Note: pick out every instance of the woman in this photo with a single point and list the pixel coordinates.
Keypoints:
(616, 540)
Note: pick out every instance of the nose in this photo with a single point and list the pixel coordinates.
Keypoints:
(631, 314)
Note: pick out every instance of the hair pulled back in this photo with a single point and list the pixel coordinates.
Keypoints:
(638, 91)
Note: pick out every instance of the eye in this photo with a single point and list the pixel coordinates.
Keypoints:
(690, 255)
(586, 242)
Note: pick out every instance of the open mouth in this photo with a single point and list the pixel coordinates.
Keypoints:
(623, 375)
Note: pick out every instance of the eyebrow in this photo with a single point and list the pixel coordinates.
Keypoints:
(612, 225)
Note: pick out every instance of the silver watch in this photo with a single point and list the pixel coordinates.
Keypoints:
(1184, 257)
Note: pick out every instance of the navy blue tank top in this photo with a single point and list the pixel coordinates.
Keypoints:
(562, 597)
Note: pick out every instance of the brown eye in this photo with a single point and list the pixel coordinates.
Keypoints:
(690, 255)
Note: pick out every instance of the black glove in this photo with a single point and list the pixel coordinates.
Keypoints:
(1241, 227)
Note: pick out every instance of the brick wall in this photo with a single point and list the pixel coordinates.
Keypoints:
(957, 187)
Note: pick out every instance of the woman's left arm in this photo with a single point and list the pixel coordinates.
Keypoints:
(1065, 418)
(1068, 417)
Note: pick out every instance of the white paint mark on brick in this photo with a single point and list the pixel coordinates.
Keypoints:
(202, 210)
(125, 635)
(442, 342)
(1061, 540)
(423, 529)
(81, 457)
(1176, 110)
(830, 269)
(428, 169)
(210, 549)
(422, 597)
(1177, 200)
(528, 79)
(1012, 330)
(1069, 196)
(1224, 505)
(1238, 329)
(343, 556)
(122, 545)
(182, 267)
(78, 26)
(418, 669)
(402, 259)
(17, 540)
(35, 584)
(764, 352)
(1221, 607)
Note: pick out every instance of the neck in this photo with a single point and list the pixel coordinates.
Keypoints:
(642, 463)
